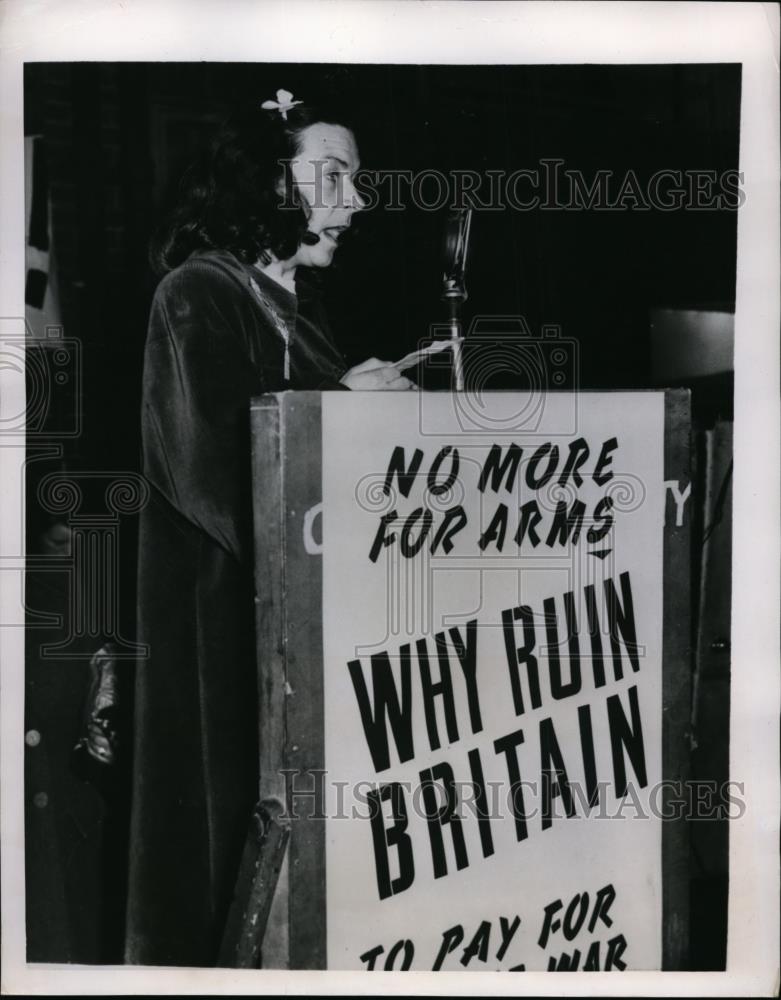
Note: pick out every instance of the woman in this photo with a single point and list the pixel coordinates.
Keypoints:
(234, 316)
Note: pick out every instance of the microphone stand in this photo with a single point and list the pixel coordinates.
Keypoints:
(454, 292)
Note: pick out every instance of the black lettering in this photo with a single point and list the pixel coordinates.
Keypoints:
(454, 521)
(406, 962)
(481, 803)
(441, 689)
(621, 619)
(370, 957)
(451, 939)
(587, 751)
(506, 930)
(437, 489)
(496, 530)
(603, 518)
(439, 816)
(602, 904)
(478, 946)
(605, 459)
(467, 657)
(622, 735)
(549, 925)
(559, 689)
(397, 467)
(553, 774)
(615, 949)
(516, 655)
(578, 456)
(530, 517)
(597, 660)
(575, 915)
(381, 539)
(508, 745)
(592, 958)
(566, 523)
(498, 467)
(392, 836)
(409, 547)
(566, 963)
(385, 701)
(534, 481)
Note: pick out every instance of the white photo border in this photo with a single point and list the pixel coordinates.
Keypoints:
(393, 31)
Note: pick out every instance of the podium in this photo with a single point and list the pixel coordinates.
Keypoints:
(473, 631)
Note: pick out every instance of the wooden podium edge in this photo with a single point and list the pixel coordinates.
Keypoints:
(290, 662)
(676, 682)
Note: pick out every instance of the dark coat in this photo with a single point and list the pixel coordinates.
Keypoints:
(214, 342)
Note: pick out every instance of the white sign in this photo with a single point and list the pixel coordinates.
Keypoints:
(492, 607)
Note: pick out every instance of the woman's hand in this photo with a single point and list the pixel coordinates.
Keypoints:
(375, 374)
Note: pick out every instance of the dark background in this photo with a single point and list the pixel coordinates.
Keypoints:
(118, 136)
(116, 139)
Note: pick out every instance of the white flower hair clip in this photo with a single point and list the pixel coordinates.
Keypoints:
(283, 103)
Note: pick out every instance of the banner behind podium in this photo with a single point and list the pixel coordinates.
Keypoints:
(473, 661)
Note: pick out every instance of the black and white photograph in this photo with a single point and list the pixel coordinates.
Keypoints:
(390, 545)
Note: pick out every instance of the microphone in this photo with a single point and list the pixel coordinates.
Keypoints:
(310, 239)
(455, 249)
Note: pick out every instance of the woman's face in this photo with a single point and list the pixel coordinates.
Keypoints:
(324, 171)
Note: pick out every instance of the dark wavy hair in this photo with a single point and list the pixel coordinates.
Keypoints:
(231, 199)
